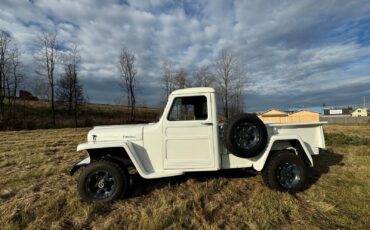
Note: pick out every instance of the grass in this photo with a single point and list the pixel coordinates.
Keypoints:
(37, 193)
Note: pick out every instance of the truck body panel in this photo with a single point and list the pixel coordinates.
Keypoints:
(173, 146)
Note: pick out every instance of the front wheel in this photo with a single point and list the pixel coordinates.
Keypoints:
(285, 171)
(102, 181)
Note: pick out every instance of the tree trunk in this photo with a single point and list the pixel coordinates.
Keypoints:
(75, 92)
(133, 102)
(52, 103)
(2, 77)
(9, 98)
(14, 92)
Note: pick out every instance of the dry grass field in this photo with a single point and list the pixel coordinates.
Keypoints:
(36, 191)
(37, 115)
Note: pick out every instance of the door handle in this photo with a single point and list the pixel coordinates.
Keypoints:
(206, 123)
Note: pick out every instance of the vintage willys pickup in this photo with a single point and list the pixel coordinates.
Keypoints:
(188, 138)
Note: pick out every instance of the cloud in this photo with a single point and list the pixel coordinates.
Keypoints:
(295, 52)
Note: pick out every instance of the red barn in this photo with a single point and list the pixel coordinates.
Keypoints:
(26, 95)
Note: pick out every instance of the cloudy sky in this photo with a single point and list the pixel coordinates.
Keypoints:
(297, 53)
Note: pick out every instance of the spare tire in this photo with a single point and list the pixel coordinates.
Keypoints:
(245, 135)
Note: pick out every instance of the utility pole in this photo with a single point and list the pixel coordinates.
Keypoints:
(364, 102)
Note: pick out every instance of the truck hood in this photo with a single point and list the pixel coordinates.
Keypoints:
(116, 133)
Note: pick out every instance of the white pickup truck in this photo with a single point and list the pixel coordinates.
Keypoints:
(188, 138)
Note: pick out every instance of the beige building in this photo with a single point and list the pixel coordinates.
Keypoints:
(304, 116)
(360, 112)
(277, 116)
(274, 116)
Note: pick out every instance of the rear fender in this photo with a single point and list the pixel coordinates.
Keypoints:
(259, 161)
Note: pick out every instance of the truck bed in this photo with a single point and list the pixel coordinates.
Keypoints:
(311, 133)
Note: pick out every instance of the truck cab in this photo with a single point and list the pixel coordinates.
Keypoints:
(188, 138)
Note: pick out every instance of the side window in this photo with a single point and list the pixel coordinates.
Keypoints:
(188, 108)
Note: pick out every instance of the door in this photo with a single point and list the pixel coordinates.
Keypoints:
(188, 134)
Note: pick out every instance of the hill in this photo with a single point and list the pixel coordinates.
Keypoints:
(37, 115)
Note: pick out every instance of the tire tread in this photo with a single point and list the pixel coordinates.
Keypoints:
(269, 176)
(123, 179)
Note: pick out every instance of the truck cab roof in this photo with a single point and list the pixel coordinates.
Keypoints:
(193, 90)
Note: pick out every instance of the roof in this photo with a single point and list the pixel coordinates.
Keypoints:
(274, 112)
(359, 109)
(304, 110)
(194, 90)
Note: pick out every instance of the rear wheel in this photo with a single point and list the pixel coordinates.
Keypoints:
(102, 181)
(285, 171)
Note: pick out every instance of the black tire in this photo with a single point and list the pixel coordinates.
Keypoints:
(286, 172)
(102, 181)
(245, 135)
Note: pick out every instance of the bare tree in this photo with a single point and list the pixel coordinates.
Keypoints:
(180, 79)
(237, 94)
(128, 77)
(4, 58)
(13, 79)
(8, 82)
(64, 87)
(168, 76)
(69, 88)
(9, 74)
(77, 87)
(229, 80)
(40, 87)
(203, 77)
(173, 79)
(47, 59)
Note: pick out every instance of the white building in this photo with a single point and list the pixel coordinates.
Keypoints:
(360, 112)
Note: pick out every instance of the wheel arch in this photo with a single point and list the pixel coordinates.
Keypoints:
(279, 143)
(122, 154)
(116, 154)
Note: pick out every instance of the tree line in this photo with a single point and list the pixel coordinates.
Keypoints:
(57, 71)
(66, 88)
(227, 75)
(10, 77)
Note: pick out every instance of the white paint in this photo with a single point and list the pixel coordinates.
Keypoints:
(170, 148)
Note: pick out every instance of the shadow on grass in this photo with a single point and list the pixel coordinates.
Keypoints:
(140, 186)
(322, 164)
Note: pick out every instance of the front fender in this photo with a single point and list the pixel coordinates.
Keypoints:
(126, 145)
(78, 165)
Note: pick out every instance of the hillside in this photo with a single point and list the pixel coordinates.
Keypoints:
(37, 115)
(36, 191)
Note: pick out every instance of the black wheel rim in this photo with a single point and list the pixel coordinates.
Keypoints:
(288, 175)
(246, 135)
(100, 184)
